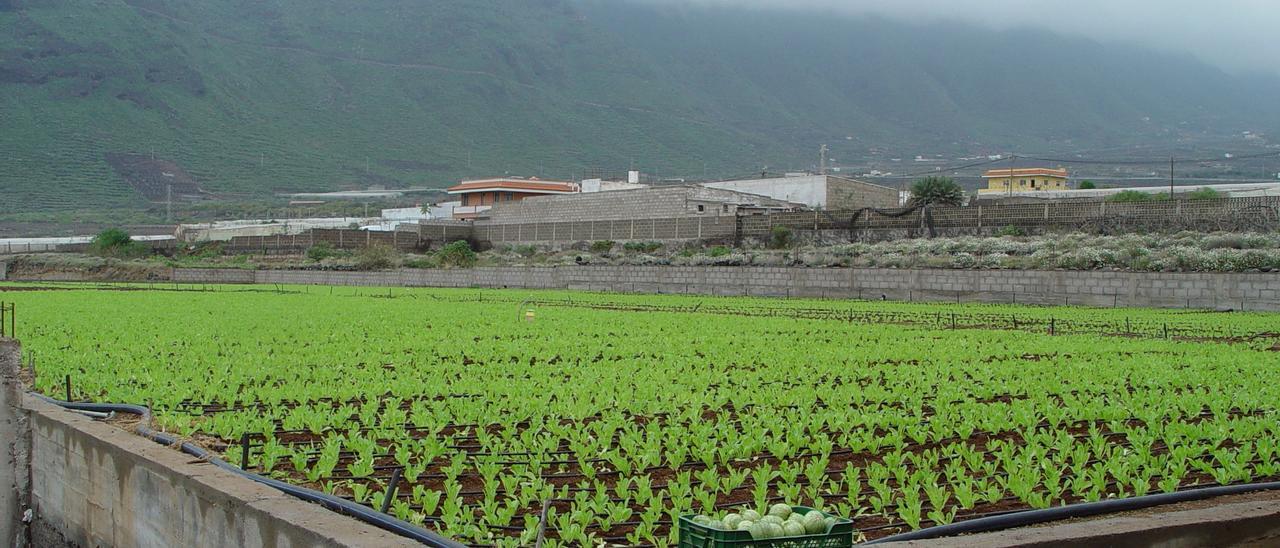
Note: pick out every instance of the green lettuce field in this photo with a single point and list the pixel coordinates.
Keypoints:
(627, 412)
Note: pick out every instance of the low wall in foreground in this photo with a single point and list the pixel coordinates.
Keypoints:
(1246, 291)
(94, 484)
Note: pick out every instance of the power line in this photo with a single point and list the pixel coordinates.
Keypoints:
(1154, 161)
(937, 170)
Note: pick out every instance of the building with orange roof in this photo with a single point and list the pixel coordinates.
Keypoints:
(479, 196)
(1032, 179)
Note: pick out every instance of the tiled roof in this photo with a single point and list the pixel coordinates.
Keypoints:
(1022, 172)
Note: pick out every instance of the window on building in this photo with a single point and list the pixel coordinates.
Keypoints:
(724, 208)
(701, 208)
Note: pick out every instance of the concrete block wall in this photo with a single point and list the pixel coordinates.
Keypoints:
(818, 191)
(851, 194)
(1242, 291)
(699, 227)
(649, 203)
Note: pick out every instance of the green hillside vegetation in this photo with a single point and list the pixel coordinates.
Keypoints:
(248, 98)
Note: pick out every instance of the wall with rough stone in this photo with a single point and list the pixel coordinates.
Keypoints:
(94, 484)
(1247, 291)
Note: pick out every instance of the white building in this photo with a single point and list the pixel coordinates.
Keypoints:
(600, 185)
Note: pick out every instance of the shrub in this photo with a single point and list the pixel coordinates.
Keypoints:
(114, 242)
(320, 251)
(780, 237)
(377, 257)
(457, 254)
(1204, 193)
(602, 246)
(1129, 196)
(421, 262)
(523, 250)
(202, 250)
(719, 251)
(936, 191)
(642, 247)
(1011, 230)
(1087, 185)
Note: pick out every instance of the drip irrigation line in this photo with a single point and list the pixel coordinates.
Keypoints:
(367, 515)
(1032, 517)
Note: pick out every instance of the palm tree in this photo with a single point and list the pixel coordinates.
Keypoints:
(936, 191)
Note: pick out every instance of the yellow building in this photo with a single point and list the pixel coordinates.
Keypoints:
(1024, 180)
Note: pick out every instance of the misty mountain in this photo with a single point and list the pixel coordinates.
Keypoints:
(241, 97)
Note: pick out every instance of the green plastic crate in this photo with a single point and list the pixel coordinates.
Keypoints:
(693, 535)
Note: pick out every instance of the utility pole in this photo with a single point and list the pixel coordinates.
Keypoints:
(168, 200)
(1171, 177)
(1010, 183)
(822, 160)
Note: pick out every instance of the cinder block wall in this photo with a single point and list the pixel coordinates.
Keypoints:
(649, 203)
(1243, 291)
(850, 194)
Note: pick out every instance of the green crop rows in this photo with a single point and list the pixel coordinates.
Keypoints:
(629, 411)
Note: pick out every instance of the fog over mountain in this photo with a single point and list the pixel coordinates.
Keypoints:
(108, 104)
(1237, 35)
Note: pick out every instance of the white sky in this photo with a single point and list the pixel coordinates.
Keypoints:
(1237, 35)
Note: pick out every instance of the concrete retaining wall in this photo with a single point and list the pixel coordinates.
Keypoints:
(93, 484)
(1260, 291)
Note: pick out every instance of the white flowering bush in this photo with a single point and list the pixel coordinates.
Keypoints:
(1179, 252)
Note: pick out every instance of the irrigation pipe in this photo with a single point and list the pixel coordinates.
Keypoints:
(367, 515)
(1032, 517)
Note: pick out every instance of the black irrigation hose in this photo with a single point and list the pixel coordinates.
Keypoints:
(367, 515)
(1032, 517)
